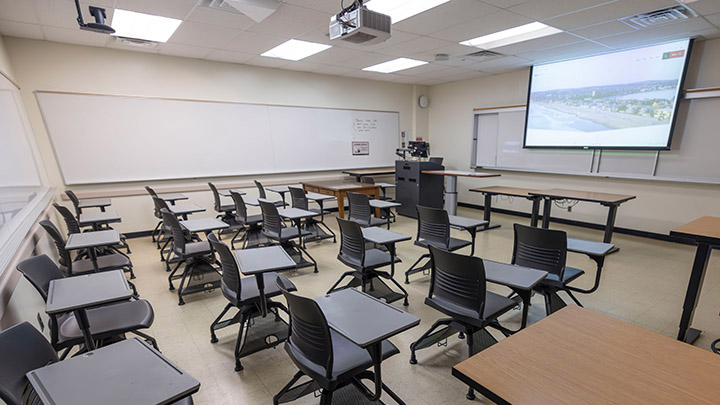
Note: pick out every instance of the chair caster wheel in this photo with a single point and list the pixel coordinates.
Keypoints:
(461, 335)
(413, 360)
(406, 303)
(213, 339)
(239, 367)
(470, 397)
(172, 288)
(407, 282)
(181, 303)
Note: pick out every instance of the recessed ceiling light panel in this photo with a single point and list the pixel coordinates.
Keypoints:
(399, 10)
(395, 65)
(512, 36)
(295, 50)
(131, 24)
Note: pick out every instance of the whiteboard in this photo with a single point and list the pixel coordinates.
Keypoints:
(107, 138)
(498, 139)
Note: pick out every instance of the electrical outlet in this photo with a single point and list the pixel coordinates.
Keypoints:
(40, 322)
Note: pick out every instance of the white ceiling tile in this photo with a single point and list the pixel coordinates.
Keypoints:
(454, 50)
(419, 70)
(607, 12)
(540, 43)
(542, 9)
(655, 35)
(445, 16)
(184, 50)
(439, 74)
(318, 34)
(414, 46)
(290, 21)
(62, 13)
(363, 60)
(166, 8)
(580, 49)
(714, 19)
(20, 29)
(220, 18)
(192, 33)
(705, 7)
(407, 79)
(228, 56)
(466, 76)
(603, 29)
(250, 42)
(267, 62)
(332, 56)
(504, 3)
(334, 70)
(302, 66)
(328, 7)
(488, 24)
(21, 11)
(75, 36)
(430, 82)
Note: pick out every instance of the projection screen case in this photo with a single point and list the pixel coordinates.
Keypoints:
(620, 100)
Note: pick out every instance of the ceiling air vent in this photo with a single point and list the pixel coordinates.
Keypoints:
(484, 54)
(135, 43)
(659, 17)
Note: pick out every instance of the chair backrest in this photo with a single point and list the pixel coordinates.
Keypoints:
(538, 248)
(178, 235)
(299, 199)
(359, 207)
(23, 349)
(216, 196)
(63, 254)
(458, 278)
(272, 222)
(70, 221)
(309, 331)
(240, 207)
(39, 271)
(151, 191)
(433, 225)
(75, 201)
(367, 180)
(230, 271)
(261, 189)
(352, 242)
(437, 160)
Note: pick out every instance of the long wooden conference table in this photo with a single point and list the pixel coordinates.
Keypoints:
(339, 190)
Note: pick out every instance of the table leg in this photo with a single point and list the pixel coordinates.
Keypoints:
(82, 320)
(102, 209)
(341, 204)
(93, 259)
(697, 275)
(473, 234)
(451, 195)
(610, 225)
(535, 211)
(376, 355)
(377, 210)
(260, 280)
(487, 209)
(547, 206)
(525, 296)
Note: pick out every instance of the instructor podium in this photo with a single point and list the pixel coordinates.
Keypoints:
(415, 188)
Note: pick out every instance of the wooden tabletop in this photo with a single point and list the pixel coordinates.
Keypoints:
(456, 173)
(337, 185)
(583, 195)
(705, 228)
(577, 356)
(369, 172)
(502, 190)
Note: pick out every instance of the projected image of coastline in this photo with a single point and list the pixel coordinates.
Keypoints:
(602, 108)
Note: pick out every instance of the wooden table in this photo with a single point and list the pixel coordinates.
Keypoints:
(451, 186)
(339, 189)
(612, 201)
(359, 173)
(576, 356)
(491, 191)
(705, 232)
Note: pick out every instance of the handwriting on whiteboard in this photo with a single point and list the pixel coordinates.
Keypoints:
(365, 125)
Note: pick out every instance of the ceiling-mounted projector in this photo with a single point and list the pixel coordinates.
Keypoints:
(99, 25)
(358, 25)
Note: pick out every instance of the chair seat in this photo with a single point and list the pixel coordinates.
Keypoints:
(249, 291)
(570, 274)
(107, 262)
(286, 234)
(226, 208)
(106, 321)
(374, 221)
(197, 248)
(348, 358)
(495, 305)
(455, 244)
(253, 220)
(374, 258)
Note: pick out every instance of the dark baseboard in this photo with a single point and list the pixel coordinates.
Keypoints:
(582, 224)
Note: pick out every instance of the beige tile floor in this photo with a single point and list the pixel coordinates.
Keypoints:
(643, 284)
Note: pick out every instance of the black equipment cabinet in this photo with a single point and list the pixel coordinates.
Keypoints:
(415, 188)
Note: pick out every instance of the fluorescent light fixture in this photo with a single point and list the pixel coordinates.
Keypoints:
(295, 49)
(149, 27)
(399, 10)
(511, 36)
(395, 65)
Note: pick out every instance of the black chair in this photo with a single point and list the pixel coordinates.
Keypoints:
(329, 359)
(263, 195)
(388, 212)
(75, 202)
(225, 211)
(186, 249)
(361, 211)
(249, 225)
(73, 226)
(242, 293)
(70, 267)
(23, 349)
(365, 263)
(274, 229)
(107, 323)
(433, 230)
(458, 290)
(164, 236)
(156, 212)
(300, 200)
(546, 249)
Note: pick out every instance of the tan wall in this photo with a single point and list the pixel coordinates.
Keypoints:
(659, 207)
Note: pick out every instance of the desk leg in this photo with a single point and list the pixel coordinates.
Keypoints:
(535, 211)
(341, 204)
(260, 280)
(547, 206)
(93, 259)
(83, 323)
(525, 295)
(376, 355)
(451, 195)
(697, 275)
(610, 226)
(487, 209)
(377, 210)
